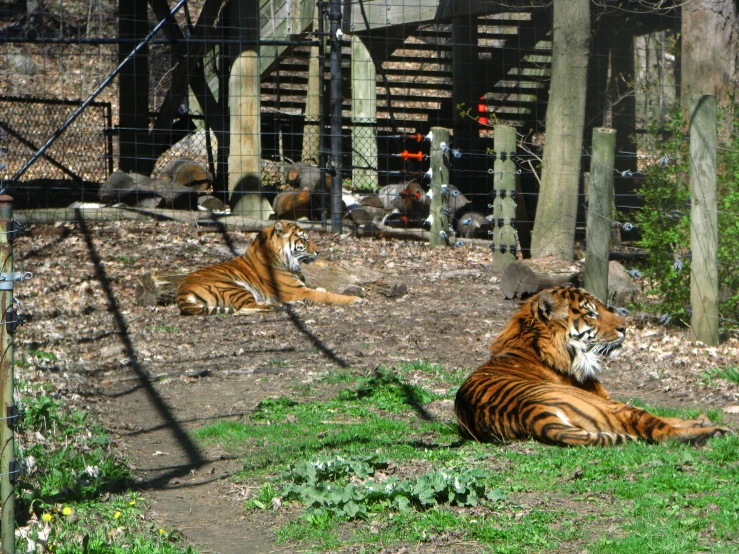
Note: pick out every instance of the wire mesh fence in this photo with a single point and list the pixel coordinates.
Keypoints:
(275, 113)
(83, 153)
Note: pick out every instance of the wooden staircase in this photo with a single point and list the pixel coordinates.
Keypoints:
(415, 76)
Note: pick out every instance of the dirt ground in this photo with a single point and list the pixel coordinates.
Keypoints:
(150, 375)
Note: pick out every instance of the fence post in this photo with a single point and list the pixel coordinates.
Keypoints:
(439, 154)
(703, 220)
(334, 17)
(598, 222)
(504, 191)
(8, 466)
(364, 118)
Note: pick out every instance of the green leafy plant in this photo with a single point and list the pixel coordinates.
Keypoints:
(664, 220)
(72, 463)
(324, 485)
(44, 355)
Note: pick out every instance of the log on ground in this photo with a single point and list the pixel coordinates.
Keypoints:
(525, 277)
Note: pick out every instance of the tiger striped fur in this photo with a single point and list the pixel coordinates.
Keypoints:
(267, 274)
(541, 381)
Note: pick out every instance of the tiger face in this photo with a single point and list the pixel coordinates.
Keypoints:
(582, 324)
(292, 245)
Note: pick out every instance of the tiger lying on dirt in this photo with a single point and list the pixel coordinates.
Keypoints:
(267, 274)
(541, 381)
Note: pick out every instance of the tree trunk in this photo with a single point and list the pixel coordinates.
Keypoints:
(709, 52)
(556, 212)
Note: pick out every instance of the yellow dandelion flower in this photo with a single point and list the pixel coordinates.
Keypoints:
(162, 531)
(67, 511)
(117, 515)
(46, 517)
(132, 503)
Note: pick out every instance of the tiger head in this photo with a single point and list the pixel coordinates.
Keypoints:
(568, 329)
(287, 245)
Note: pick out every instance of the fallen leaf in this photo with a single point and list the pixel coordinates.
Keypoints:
(731, 409)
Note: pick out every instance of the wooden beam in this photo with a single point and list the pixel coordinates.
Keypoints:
(388, 13)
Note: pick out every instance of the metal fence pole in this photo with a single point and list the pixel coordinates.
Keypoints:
(334, 17)
(8, 466)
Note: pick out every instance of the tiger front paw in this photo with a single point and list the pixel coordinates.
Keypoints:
(722, 432)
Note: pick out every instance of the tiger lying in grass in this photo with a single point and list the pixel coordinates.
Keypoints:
(267, 274)
(541, 381)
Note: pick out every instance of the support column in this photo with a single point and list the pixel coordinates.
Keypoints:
(133, 90)
(245, 154)
(364, 118)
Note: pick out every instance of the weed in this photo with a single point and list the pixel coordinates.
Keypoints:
(163, 328)
(388, 392)
(43, 355)
(730, 373)
(68, 474)
(126, 260)
(274, 362)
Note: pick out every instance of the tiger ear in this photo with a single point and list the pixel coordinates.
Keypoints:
(279, 229)
(549, 306)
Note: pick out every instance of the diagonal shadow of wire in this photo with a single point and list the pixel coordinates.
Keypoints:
(300, 326)
(195, 459)
(325, 350)
(221, 228)
(294, 317)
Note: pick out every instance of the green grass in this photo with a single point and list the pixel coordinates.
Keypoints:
(370, 452)
(74, 496)
(730, 373)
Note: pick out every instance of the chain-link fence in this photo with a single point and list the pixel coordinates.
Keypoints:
(84, 152)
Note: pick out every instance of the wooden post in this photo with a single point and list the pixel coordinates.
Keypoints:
(703, 220)
(311, 130)
(364, 118)
(440, 138)
(244, 159)
(8, 466)
(598, 220)
(504, 206)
